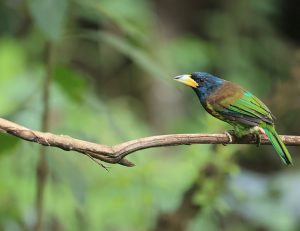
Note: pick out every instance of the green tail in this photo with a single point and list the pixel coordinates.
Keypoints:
(278, 144)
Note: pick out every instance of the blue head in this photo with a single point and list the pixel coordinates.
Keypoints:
(202, 83)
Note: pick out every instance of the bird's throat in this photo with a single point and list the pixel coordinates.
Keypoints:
(202, 94)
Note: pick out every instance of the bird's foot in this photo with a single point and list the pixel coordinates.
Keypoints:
(260, 132)
(258, 139)
(229, 135)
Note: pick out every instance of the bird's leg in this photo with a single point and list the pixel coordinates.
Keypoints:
(258, 139)
(258, 131)
(262, 131)
(229, 135)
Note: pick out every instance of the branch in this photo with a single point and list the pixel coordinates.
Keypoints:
(42, 165)
(116, 154)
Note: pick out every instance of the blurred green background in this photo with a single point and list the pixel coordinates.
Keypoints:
(113, 63)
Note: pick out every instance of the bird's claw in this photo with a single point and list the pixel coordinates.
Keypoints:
(227, 133)
(259, 134)
(258, 140)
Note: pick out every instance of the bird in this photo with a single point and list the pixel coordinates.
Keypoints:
(233, 104)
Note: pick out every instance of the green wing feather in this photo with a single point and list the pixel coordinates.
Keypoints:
(250, 105)
(234, 105)
(249, 110)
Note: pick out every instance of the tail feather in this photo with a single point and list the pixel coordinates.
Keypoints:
(278, 144)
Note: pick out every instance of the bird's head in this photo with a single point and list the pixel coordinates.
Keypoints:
(200, 80)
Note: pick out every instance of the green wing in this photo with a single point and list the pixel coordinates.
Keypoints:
(250, 106)
(233, 104)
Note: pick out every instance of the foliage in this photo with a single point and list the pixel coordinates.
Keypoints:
(112, 82)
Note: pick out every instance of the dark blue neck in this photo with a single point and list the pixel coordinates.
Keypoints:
(205, 91)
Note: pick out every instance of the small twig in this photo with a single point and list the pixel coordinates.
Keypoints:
(116, 154)
(42, 165)
(97, 162)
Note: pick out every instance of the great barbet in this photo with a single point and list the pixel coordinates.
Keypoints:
(233, 104)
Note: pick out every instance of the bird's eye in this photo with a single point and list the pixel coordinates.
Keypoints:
(201, 80)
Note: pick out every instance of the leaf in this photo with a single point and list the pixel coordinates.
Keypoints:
(139, 56)
(49, 16)
(73, 85)
(12, 59)
(12, 71)
(7, 142)
(186, 54)
(133, 17)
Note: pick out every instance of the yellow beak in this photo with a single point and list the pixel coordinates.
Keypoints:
(187, 80)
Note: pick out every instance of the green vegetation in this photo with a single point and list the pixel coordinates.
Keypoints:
(113, 63)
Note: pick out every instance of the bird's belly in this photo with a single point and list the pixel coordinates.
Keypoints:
(211, 110)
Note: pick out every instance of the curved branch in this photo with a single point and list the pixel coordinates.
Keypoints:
(116, 154)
